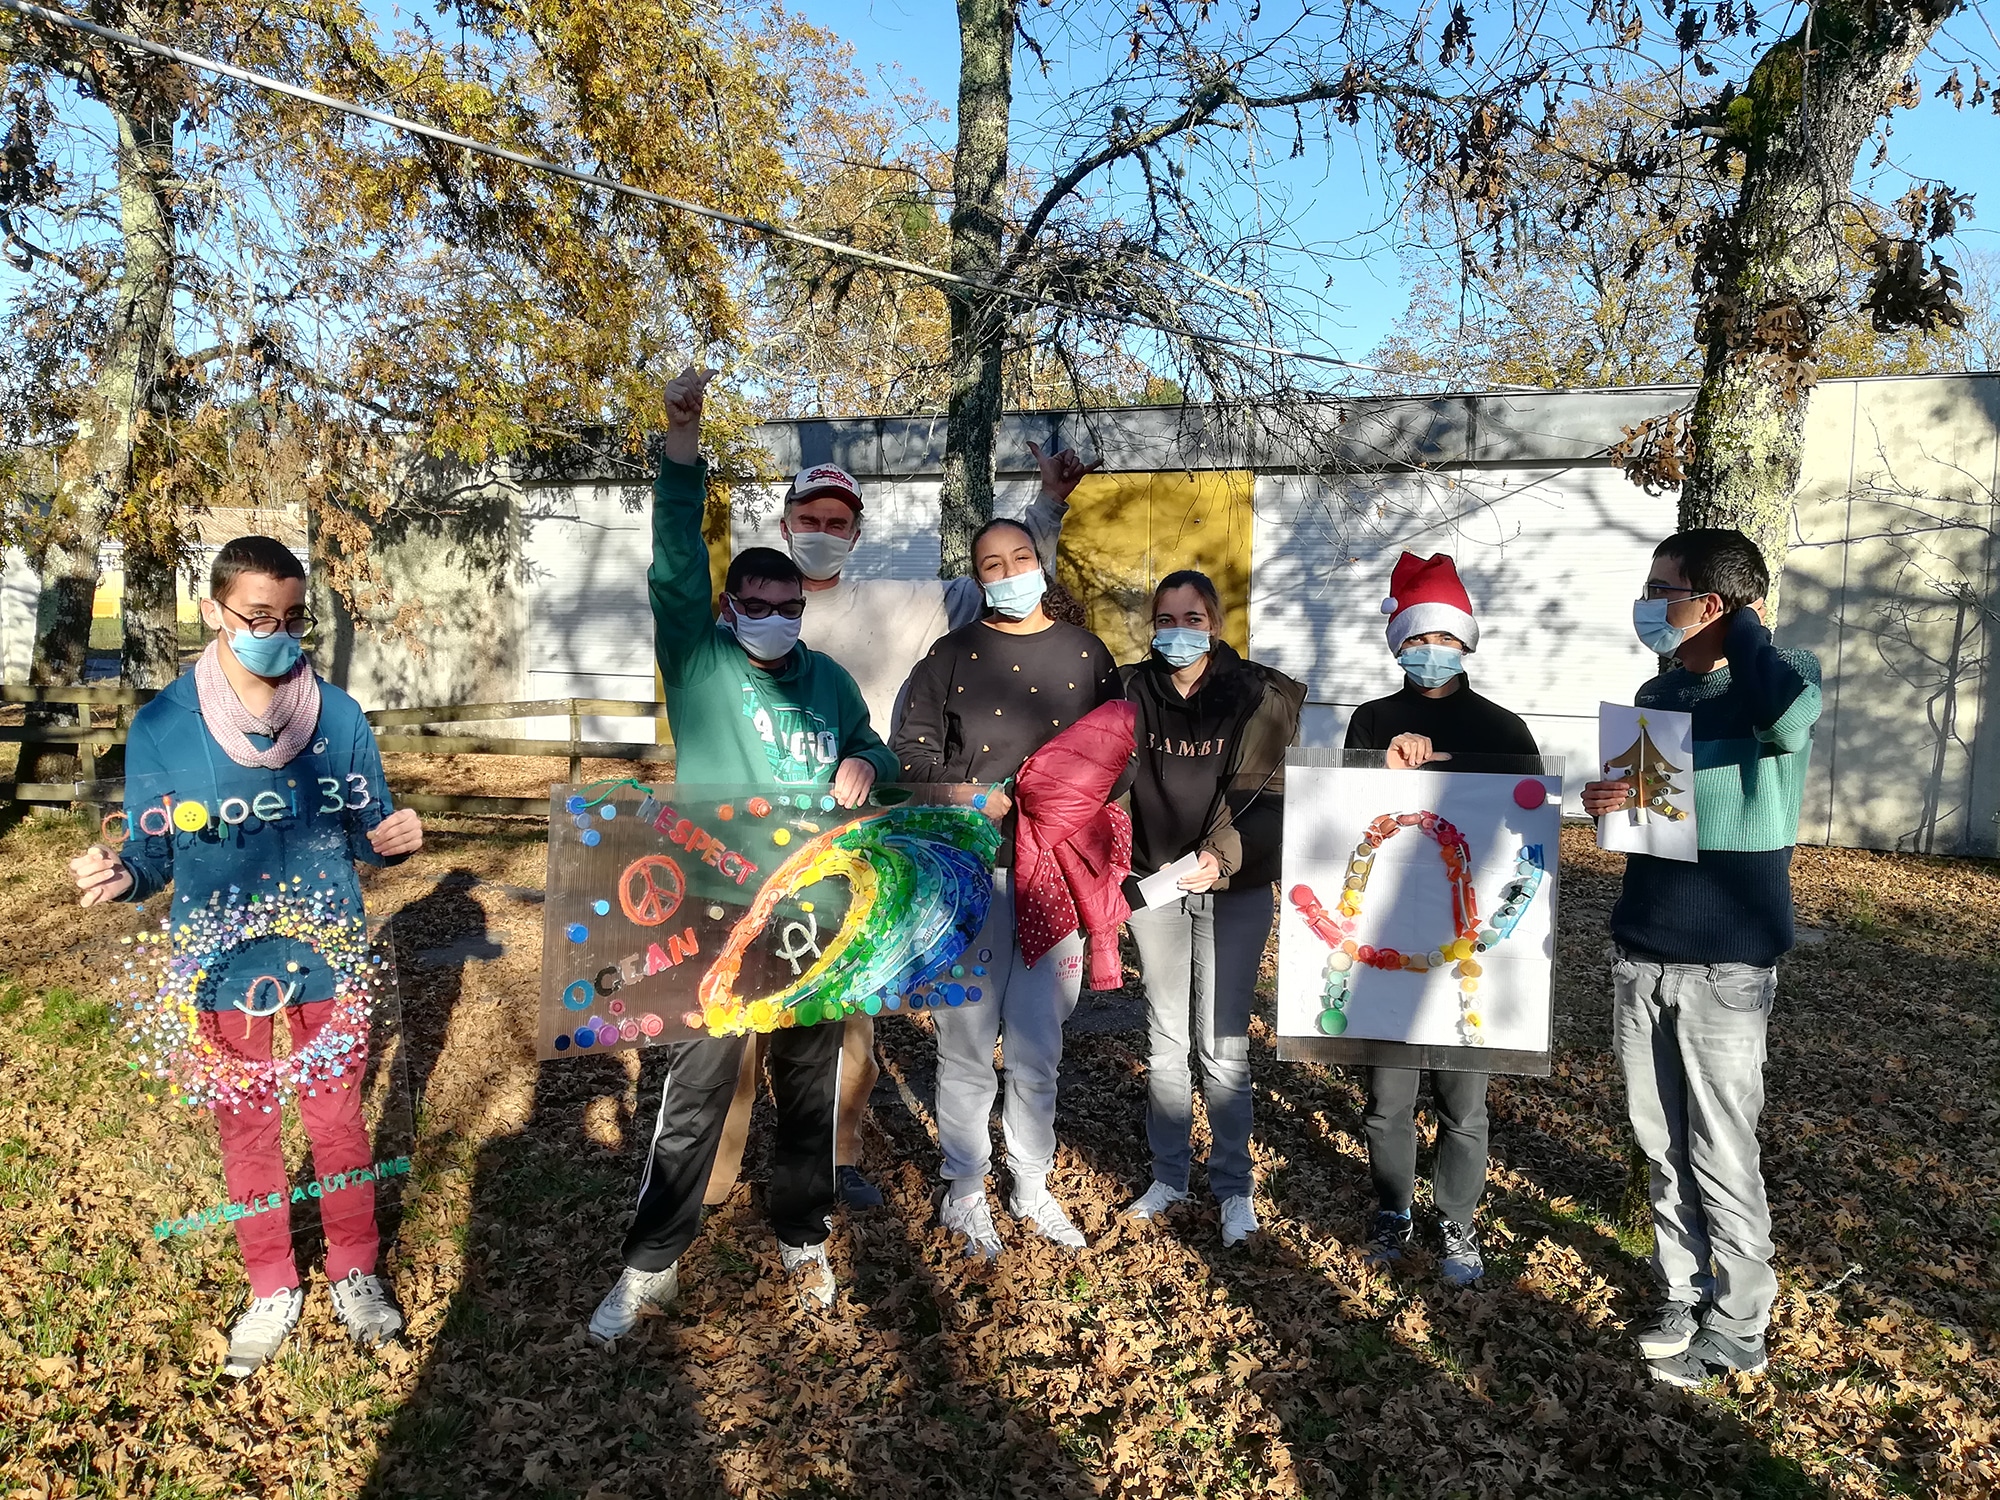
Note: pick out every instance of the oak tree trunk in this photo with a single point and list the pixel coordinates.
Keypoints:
(978, 321)
(95, 471)
(1800, 123)
(152, 616)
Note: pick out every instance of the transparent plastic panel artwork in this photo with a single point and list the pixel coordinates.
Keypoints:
(1417, 920)
(674, 909)
(261, 1011)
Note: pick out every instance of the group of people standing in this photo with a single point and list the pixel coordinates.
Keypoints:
(974, 676)
(787, 682)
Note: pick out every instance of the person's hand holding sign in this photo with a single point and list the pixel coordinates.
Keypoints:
(1409, 751)
(100, 875)
(853, 781)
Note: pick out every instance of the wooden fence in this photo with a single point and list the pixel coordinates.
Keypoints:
(400, 731)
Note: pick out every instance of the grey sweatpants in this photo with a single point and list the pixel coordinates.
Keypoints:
(1024, 1007)
(1690, 1038)
(1200, 956)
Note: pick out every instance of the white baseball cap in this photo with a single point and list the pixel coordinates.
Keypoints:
(828, 481)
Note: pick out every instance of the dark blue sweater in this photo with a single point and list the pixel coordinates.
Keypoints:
(1753, 726)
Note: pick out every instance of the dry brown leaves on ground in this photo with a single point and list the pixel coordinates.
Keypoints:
(1155, 1363)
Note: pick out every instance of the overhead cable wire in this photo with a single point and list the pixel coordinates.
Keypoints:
(646, 195)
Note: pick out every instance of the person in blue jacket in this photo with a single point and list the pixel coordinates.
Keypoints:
(247, 773)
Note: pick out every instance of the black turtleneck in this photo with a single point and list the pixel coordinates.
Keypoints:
(1464, 725)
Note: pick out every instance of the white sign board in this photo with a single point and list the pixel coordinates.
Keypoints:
(1653, 749)
(1417, 926)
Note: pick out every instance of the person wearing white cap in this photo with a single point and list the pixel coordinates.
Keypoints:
(878, 629)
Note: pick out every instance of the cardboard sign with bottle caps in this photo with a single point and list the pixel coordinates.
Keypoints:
(674, 910)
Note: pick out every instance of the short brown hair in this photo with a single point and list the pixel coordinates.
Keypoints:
(252, 554)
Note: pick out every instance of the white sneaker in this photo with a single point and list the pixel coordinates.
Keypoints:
(363, 1306)
(810, 1273)
(1155, 1201)
(637, 1294)
(973, 1219)
(1034, 1203)
(260, 1330)
(1239, 1219)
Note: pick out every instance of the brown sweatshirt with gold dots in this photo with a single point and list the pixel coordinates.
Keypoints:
(983, 700)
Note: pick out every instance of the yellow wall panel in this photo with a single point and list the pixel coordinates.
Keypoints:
(1125, 532)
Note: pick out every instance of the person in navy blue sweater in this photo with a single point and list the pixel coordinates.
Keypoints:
(284, 773)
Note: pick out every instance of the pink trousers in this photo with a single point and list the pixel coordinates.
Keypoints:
(253, 1157)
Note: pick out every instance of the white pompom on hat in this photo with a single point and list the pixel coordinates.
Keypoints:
(1425, 595)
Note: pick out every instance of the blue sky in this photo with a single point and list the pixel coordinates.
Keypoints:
(1347, 205)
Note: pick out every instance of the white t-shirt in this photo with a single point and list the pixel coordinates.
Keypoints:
(880, 628)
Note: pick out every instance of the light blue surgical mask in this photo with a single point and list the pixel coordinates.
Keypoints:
(1180, 647)
(1015, 598)
(1431, 666)
(1649, 619)
(272, 655)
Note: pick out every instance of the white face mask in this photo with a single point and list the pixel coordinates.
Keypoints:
(768, 639)
(820, 554)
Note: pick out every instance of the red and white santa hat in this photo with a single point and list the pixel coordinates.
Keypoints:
(1425, 595)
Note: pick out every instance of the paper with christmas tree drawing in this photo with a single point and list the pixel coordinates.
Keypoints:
(1653, 750)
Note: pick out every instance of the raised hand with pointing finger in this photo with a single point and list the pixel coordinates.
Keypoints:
(1062, 472)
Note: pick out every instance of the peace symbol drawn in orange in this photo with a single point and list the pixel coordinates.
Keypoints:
(651, 888)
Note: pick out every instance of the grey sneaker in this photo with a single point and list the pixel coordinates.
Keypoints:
(971, 1218)
(811, 1275)
(636, 1294)
(1239, 1219)
(1667, 1329)
(363, 1306)
(1388, 1238)
(1462, 1264)
(260, 1330)
(855, 1190)
(1034, 1203)
(1708, 1354)
(1156, 1200)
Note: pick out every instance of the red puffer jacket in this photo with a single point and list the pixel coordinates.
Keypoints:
(1072, 849)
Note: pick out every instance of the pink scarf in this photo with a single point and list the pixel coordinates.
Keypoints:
(293, 713)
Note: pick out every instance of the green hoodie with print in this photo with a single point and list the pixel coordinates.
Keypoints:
(733, 722)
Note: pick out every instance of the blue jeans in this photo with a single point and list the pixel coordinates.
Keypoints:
(1690, 1039)
(1200, 955)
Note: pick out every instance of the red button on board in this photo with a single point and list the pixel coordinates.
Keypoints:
(1530, 794)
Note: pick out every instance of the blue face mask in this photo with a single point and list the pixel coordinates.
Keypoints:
(1015, 598)
(1179, 647)
(1431, 666)
(1649, 619)
(267, 656)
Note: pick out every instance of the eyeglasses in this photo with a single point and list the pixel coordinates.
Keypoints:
(763, 609)
(265, 626)
(1667, 590)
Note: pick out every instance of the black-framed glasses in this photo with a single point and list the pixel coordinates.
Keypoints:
(1668, 590)
(763, 609)
(265, 626)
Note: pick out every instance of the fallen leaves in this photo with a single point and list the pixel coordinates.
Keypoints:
(1154, 1364)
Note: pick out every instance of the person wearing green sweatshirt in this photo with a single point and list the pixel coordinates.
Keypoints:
(748, 705)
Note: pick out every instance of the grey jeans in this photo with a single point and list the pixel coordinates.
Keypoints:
(1026, 1006)
(1690, 1038)
(1200, 955)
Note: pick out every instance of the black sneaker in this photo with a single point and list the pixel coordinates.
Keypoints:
(1462, 1264)
(855, 1190)
(1709, 1354)
(1388, 1238)
(1667, 1329)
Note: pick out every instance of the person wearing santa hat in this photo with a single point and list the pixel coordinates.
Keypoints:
(1434, 717)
